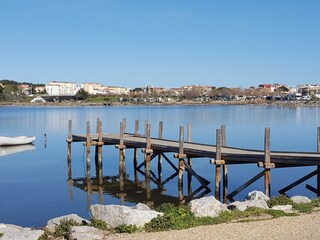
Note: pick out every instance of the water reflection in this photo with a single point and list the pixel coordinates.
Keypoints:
(135, 191)
(6, 150)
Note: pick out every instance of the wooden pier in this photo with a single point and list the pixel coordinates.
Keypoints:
(187, 152)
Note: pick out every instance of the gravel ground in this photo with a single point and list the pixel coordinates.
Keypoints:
(289, 228)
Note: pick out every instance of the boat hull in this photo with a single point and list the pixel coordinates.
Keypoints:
(20, 140)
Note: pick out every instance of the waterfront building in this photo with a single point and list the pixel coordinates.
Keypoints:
(61, 88)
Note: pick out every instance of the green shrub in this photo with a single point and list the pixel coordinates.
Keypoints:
(102, 225)
(173, 218)
(64, 228)
(316, 202)
(126, 228)
(279, 200)
(1, 234)
(303, 207)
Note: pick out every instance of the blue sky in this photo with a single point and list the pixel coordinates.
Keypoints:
(169, 43)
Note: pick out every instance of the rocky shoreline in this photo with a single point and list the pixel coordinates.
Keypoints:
(255, 102)
(116, 215)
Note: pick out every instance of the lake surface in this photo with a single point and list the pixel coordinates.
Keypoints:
(34, 184)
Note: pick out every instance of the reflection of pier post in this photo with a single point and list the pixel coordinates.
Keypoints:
(189, 138)
(69, 151)
(89, 190)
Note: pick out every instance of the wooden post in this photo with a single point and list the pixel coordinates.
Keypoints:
(159, 156)
(135, 153)
(181, 163)
(99, 150)
(147, 156)
(189, 137)
(122, 158)
(218, 166)
(318, 167)
(147, 150)
(267, 161)
(69, 151)
(88, 145)
(224, 167)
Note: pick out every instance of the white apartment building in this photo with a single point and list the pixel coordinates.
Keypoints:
(61, 88)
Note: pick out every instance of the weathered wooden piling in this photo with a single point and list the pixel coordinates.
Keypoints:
(98, 155)
(224, 166)
(147, 158)
(318, 167)
(135, 153)
(218, 165)
(88, 164)
(189, 139)
(122, 157)
(69, 141)
(267, 161)
(181, 156)
(159, 155)
(88, 145)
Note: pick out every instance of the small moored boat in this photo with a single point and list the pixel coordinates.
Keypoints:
(19, 140)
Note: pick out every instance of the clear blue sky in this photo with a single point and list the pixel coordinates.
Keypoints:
(169, 43)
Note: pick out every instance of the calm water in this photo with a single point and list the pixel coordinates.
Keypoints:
(33, 183)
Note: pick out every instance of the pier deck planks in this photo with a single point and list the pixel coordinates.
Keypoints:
(230, 154)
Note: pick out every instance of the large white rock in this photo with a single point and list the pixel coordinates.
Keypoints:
(285, 208)
(242, 206)
(300, 199)
(206, 207)
(115, 215)
(257, 195)
(52, 223)
(86, 233)
(13, 232)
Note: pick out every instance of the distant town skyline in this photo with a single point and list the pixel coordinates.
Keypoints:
(161, 43)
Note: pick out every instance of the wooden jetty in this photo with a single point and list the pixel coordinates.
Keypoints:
(187, 151)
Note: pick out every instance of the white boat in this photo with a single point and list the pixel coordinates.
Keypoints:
(19, 140)
(7, 150)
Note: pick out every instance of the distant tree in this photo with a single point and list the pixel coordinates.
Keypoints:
(221, 92)
(82, 94)
(1, 93)
(282, 89)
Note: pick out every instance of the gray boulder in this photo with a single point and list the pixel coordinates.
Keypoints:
(115, 215)
(285, 208)
(86, 233)
(257, 195)
(52, 223)
(13, 232)
(242, 206)
(206, 207)
(300, 199)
